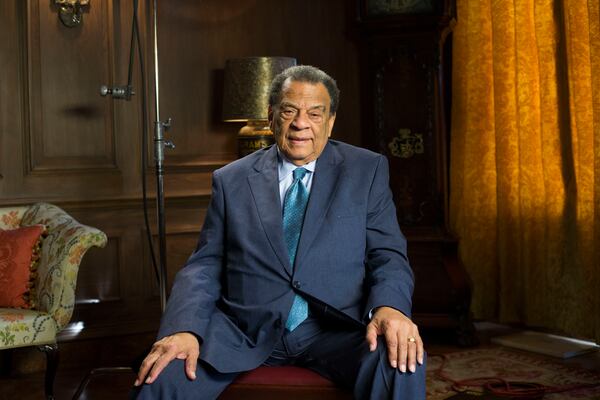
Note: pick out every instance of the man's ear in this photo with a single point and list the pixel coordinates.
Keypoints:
(330, 125)
(270, 118)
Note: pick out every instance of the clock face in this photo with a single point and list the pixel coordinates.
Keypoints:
(393, 7)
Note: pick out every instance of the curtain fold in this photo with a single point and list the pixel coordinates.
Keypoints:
(525, 160)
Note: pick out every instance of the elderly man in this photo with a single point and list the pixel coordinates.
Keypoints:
(300, 261)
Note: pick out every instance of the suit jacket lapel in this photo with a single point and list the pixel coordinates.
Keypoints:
(324, 186)
(264, 184)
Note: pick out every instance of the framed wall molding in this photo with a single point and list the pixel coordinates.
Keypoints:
(69, 128)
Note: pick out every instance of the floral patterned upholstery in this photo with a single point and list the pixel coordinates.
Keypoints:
(21, 327)
(61, 253)
(10, 218)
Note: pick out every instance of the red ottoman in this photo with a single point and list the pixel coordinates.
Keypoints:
(283, 383)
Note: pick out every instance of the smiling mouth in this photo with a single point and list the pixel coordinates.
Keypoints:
(298, 140)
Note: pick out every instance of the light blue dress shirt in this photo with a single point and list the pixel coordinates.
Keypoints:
(286, 178)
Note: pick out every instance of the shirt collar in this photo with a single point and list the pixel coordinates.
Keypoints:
(286, 167)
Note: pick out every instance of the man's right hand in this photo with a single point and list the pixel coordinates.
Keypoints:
(182, 345)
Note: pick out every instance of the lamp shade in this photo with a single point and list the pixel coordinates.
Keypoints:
(247, 82)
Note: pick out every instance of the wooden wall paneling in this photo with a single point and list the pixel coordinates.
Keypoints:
(111, 274)
(69, 142)
(121, 270)
(195, 40)
(127, 114)
(11, 121)
(71, 127)
(184, 221)
(7, 52)
(99, 277)
(123, 223)
(191, 45)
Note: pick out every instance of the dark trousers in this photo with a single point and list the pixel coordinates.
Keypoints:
(342, 355)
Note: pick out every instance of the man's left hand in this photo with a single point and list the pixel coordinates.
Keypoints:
(402, 338)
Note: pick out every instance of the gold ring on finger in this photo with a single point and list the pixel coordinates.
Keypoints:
(411, 339)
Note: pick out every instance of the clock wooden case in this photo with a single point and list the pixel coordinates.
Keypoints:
(405, 51)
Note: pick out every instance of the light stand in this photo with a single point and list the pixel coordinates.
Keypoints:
(159, 156)
(125, 92)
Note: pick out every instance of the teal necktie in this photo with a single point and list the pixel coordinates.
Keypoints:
(294, 207)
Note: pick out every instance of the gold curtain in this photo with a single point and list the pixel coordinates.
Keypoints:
(525, 160)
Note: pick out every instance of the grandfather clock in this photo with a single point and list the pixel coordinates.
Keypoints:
(404, 47)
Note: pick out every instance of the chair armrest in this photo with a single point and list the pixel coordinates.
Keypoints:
(61, 254)
(10, 217)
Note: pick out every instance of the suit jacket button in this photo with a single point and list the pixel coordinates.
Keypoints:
(297, 285)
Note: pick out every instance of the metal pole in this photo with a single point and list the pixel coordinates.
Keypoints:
(159, 155)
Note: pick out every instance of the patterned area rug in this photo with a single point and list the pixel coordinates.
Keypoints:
(510, 366)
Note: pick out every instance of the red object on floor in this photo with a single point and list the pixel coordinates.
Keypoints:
(287, 382)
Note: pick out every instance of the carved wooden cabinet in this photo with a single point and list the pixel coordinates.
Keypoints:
(405, 55)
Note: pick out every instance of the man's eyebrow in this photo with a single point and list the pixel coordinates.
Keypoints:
(286, 104)
(318, 106)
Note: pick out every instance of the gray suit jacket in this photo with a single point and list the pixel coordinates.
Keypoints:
(237, 288)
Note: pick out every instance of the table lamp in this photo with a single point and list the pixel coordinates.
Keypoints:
(246, 98)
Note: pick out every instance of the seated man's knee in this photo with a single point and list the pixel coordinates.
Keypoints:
(380, 357)
(173, 383)
(171, 379)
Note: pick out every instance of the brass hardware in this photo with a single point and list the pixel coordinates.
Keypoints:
(406, 144)
(70, 12)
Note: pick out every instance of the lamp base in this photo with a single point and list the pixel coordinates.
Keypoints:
(254, 136)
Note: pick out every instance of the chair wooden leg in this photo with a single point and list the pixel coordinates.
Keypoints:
(6, 356)
(52, 356)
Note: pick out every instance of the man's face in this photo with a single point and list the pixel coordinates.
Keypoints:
(301, 122)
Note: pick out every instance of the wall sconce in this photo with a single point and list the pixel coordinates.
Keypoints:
(70, 12)
(246, 98)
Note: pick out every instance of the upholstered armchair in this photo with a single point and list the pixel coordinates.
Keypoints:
(60, 253)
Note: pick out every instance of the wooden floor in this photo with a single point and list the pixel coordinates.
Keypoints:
(117, 385)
